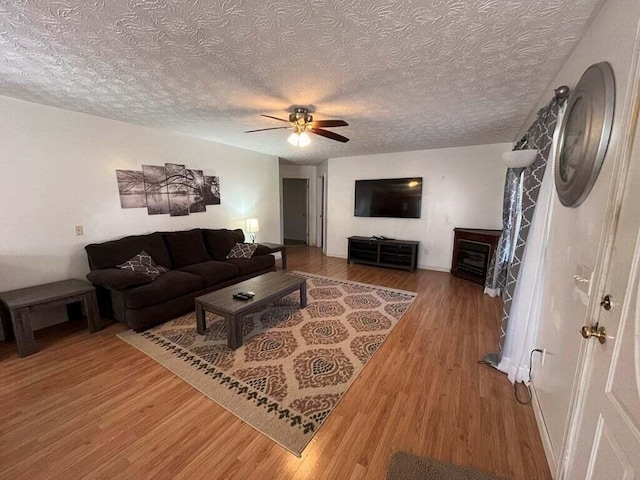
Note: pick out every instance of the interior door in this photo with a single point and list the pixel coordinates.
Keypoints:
(576, 266)
(607, 445)
(320, 209)
(295, 205)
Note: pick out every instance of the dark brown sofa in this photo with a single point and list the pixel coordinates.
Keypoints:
(197, 264)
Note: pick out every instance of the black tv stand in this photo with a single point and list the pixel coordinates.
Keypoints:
(402, 254)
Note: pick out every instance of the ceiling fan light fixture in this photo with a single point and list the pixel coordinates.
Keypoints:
(302, 124)
(304, 139)
(299, 139)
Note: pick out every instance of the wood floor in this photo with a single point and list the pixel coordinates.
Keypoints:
(92, 406)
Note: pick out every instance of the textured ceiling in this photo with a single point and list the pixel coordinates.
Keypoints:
(406, 75)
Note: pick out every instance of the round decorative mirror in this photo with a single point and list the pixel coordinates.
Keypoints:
(584, 134)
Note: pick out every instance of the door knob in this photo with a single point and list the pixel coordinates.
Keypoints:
(594, 331)
(606, 302)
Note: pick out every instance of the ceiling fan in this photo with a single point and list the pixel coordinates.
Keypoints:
(301, 122)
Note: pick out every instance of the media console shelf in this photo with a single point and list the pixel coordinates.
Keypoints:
(401, 254)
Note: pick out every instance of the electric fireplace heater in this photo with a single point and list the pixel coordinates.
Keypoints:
(473, 257)
(472, 251)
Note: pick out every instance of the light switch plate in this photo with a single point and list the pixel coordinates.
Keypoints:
(79, 230)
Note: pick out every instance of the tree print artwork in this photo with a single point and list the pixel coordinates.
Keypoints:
(172, 189)
(131, 188)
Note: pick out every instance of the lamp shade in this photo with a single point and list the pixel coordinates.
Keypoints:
(299, 139)
(252, 225)
(519, 158)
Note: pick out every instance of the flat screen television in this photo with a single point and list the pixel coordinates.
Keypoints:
(389, 197)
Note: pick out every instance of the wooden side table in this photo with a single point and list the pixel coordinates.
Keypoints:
(276, 247)
(16, 307)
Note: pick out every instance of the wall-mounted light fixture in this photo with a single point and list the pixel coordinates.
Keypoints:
(518, 160)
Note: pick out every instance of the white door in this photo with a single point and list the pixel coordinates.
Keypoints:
(607, 442)
(578, 251)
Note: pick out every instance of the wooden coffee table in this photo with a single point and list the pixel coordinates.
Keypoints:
(268, 288)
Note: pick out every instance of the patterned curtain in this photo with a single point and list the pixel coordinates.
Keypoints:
(518, 209)
(497, 273)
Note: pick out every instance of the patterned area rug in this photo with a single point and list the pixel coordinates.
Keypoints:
(295, 365)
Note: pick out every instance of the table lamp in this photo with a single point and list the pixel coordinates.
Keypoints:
(252, 228)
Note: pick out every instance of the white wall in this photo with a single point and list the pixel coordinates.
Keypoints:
(308, 172)
(57, 170)
(576, 234)
(462, 187)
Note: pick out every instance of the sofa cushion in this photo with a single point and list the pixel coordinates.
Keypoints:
(220, 242)
(143, 263)
(253, 264)
(242, 250)
(186, 248)
(115, 252)
(213, 272)
(169, 285)
(117, 279)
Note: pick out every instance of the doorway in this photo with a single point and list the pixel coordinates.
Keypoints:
(295, 205)
(320, 228)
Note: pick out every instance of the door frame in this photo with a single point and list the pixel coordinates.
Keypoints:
(621, 156)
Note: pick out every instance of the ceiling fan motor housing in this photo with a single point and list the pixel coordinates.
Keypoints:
(299, 114)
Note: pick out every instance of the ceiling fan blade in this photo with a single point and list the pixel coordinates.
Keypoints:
(275, 118)
(328, 134)
(329, 123)
(263, 129)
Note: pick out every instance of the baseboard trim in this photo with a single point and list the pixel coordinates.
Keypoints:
(544, 433)
(434, 269)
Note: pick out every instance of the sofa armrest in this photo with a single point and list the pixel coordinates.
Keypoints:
(117, 278)
(261, 250)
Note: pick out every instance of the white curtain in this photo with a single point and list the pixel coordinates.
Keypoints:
(522, 331)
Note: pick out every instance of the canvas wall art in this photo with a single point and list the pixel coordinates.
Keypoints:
(170, 189)
(178, 190)
(131, 188)
(196, 191)
(211, 190)
(155, 188)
